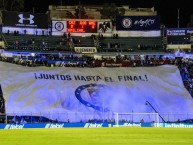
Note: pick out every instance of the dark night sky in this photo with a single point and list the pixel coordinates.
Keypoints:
(168, 10)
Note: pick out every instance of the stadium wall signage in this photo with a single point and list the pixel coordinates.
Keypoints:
(94, 125)
(85, 49)
(73, 125)
(178, 31)
(175, 125)
(128, 23)
(24, 19)
(58, 27)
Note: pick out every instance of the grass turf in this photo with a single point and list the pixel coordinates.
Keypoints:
(98, 136)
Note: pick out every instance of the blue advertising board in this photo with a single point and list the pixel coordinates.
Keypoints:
(126, 23)
(73, 125)
(176, 125)
(178, 31)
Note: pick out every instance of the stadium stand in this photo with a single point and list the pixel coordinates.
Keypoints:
(94, 51)
(16, 42)
(133, 44)
(60, 43)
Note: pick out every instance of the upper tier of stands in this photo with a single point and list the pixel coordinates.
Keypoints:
(134, 44)
(36, 43)
(66, 44)
(82, 41)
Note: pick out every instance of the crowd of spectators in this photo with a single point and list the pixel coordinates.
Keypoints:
(186, 69)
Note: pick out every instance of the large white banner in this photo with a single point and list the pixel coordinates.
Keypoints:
(93, 90)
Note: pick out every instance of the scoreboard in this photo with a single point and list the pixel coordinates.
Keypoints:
(81, 26)
(85, 26)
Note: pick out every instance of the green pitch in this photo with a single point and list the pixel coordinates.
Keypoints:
(98, 136)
